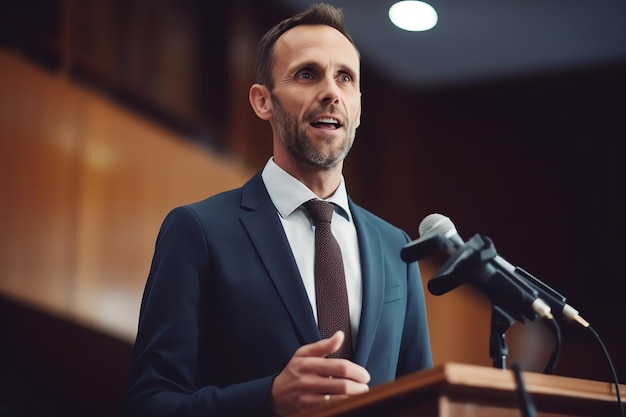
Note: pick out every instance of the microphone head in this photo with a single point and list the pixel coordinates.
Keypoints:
(437, 224)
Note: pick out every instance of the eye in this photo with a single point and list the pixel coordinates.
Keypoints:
(305, 75)
(345, 78)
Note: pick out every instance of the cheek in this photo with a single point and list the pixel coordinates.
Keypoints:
(357, 115)
(355, 105)
(293, 108)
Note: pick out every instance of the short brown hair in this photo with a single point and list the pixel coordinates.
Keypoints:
(318, 14)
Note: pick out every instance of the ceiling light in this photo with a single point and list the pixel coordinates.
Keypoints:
(414, 16)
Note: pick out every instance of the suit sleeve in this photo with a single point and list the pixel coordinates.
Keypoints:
(164, 374)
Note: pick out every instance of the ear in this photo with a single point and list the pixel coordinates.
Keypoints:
(261, 101)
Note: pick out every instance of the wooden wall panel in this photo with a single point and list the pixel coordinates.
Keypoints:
(132, 174)
(85, 186)
(37, 186)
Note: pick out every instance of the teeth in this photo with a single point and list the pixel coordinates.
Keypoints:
(327, 120)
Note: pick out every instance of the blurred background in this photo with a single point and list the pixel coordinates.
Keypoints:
(507, 117)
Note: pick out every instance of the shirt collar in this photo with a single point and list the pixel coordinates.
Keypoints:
(288, 194)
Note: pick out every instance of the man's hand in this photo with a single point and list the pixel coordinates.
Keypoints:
(310, 378)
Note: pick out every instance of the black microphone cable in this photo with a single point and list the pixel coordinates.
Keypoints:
(556, 351)
(615, 379)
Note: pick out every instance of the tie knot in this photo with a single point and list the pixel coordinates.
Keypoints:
(320, 211)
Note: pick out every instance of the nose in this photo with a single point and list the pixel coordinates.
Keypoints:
(329, 91)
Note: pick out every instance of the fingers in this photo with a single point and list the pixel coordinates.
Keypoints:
(323, 347)
(330, 367)
(326, 367)
(311, 377)
(341, 369)
(341, 386)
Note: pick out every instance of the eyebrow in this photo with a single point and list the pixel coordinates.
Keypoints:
(315, 65)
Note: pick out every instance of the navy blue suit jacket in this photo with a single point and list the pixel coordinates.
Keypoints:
(224, 309)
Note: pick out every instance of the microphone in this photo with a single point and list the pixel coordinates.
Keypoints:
(472, 262)
(440, 225)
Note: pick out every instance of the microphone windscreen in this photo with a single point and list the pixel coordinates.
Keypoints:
(435, 224)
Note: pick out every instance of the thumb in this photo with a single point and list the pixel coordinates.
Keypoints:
(322, 347)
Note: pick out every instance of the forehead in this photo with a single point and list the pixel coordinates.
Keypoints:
(315, 43)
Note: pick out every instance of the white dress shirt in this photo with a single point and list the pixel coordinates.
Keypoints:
(288, 194)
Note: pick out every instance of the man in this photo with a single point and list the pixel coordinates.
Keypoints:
(228, 319)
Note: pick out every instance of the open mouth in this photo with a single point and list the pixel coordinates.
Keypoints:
(326, 123)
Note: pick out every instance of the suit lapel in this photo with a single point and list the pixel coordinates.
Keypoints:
(260, 219)
(373, 280)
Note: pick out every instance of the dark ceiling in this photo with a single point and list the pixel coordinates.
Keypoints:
(481, 40)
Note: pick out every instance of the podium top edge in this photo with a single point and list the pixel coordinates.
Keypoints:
(451, 378)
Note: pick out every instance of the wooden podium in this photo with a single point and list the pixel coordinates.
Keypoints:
(456, 390)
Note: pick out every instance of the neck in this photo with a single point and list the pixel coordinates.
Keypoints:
(322, 181)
